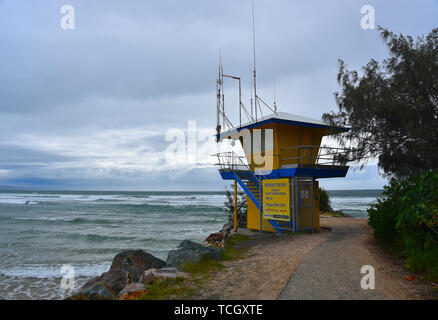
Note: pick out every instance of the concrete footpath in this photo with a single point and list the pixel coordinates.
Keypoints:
(332, 270)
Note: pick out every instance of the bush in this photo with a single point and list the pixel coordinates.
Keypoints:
(384, 214)
(418, 223)
(405, 221)
(325, 204)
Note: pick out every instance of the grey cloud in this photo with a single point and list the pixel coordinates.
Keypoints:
(151, 65)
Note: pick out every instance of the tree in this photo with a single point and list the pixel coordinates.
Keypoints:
(392, 108)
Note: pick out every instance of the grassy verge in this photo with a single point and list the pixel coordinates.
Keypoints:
(166, 289)
(200, 272)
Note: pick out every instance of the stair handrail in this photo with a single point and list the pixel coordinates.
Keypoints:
(230, 160)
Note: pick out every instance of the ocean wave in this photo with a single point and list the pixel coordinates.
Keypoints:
(65, 219)
(214, 200)
(95, 237)
(44, 271)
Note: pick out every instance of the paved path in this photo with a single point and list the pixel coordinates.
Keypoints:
(332, 269)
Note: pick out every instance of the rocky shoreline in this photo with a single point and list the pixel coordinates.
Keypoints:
(132, 270)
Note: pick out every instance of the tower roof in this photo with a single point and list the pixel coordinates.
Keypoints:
(286, 118)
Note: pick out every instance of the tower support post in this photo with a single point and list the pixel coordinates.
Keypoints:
(235, 205)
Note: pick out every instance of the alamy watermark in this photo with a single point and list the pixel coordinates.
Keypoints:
(368, 281)
(68, 278)
(368, 21)
(68, 21)
(198, 146)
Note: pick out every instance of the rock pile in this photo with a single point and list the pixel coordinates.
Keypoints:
(132, 270)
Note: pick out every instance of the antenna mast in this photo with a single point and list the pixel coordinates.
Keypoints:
(219, 84)
(254, 49)
(275, 95)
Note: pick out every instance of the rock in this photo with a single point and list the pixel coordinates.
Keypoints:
(216, 240)
(192, 252)
(165, 273)
(106, 286)
(97, 291)
(228, 227)
(135, 262)
(116, 279)
(132, 291)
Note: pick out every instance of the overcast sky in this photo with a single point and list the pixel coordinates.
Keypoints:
(89, 108)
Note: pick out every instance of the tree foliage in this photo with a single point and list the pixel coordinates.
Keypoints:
(392, 108)
(405, 221)
(325, 204)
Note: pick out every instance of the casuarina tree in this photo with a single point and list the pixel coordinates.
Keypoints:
(392, 107)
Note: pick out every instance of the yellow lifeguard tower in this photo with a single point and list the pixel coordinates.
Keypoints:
(283, 160)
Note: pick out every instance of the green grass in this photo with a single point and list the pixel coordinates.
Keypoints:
(236, 238)
(178, 288)
(231, 250)
(206, 265)
(181, 288)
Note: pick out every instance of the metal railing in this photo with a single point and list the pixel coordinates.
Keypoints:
(305, 155)
(317, 155)
(230, 160)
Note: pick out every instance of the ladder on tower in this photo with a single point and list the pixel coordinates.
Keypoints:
(250, 183)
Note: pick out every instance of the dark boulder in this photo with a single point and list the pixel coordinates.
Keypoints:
(96, 290)
(116, 279)
(106, 286)
(135, 262)
(192, 252)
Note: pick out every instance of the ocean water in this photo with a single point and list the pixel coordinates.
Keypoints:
(40, 231)
(354, 202)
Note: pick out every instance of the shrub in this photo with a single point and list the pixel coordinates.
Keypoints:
(384, 214)
(325, 204)
(405, 221)
(418, 223)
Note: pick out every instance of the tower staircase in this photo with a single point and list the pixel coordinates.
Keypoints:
(234, 167)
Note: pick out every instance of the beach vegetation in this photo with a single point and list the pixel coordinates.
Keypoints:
(325, 203)
(204, 266)
(165, 289)
(231, 250)
(405, 221)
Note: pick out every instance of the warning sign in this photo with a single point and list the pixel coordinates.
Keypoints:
(276, 199)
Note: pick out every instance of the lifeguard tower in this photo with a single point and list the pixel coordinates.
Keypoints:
(283, 160)
(280, 170)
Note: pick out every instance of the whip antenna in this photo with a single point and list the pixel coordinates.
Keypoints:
(275, 94)
(254, 51)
